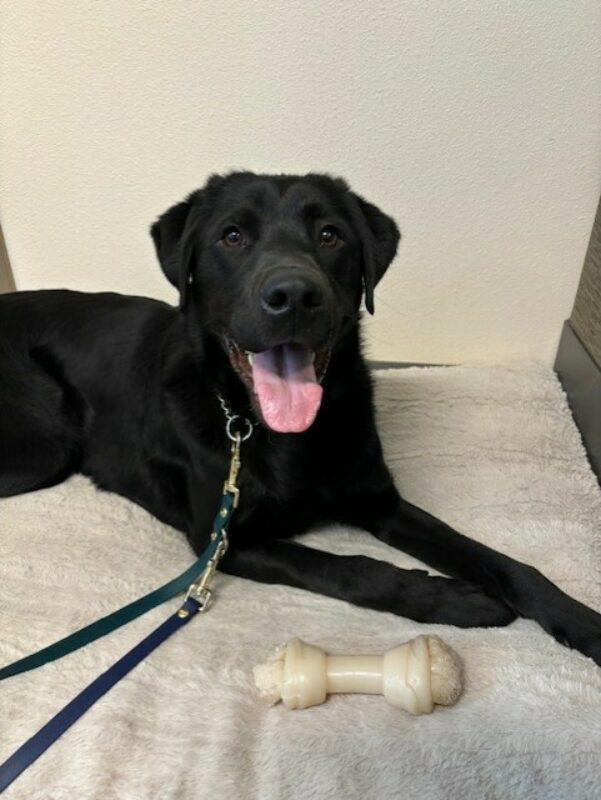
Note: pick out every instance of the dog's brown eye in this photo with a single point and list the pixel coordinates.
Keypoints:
(328, 236)
(232, 236)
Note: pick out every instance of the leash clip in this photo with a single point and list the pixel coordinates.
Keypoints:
(199, 590)
(231, 484)
(238, 429)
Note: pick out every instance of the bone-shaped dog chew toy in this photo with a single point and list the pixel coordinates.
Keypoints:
(414, 676)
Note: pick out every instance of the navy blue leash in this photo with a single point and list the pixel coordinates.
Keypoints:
(33, 748)
(198, 599)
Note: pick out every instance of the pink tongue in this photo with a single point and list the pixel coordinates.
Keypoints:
(286, 386)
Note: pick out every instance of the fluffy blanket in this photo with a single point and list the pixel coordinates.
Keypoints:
(491, 449)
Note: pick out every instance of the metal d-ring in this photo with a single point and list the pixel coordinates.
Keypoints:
(247, 428)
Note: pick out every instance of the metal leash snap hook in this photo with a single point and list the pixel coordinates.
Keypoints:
(199, 590)
(231, 483)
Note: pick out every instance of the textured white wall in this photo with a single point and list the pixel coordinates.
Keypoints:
(477, 124)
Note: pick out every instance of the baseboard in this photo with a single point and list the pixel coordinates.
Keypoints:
(581, 379)
(7, 282)
(400, 364)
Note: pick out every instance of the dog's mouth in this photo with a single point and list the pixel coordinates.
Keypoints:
(283, 382)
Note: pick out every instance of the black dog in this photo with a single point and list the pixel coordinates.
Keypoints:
(271, 272)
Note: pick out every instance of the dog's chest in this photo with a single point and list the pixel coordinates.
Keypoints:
(283, 470)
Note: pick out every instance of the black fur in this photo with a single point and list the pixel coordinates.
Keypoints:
(123, 389)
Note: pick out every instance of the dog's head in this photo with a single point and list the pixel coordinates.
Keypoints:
(275, 267)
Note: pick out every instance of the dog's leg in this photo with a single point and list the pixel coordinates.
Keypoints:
(367, 582)
(414, 531)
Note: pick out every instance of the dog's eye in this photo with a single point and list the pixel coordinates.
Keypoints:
(232, 236)
(328, 236)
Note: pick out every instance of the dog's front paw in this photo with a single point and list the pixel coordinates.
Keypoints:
(569, 621)
(580, 630)
(448, 601)
(464, 604)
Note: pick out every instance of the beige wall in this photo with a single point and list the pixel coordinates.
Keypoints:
(477, 124)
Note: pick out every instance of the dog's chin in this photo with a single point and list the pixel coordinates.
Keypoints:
(283, 382)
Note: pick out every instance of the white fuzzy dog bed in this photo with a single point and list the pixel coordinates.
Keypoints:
(493, 451)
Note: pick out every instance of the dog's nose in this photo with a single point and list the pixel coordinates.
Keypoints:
(291, 294)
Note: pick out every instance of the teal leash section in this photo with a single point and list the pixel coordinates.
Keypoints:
(198, 599)
(105, 625)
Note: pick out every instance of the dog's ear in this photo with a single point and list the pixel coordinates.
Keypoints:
(379, 241)
(173, 236)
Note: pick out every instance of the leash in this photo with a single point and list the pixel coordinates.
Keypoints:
(108, 624)
(197, 600)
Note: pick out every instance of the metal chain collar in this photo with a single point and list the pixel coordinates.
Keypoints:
(233, 420)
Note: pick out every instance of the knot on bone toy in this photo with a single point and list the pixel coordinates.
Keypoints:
(414, 676)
